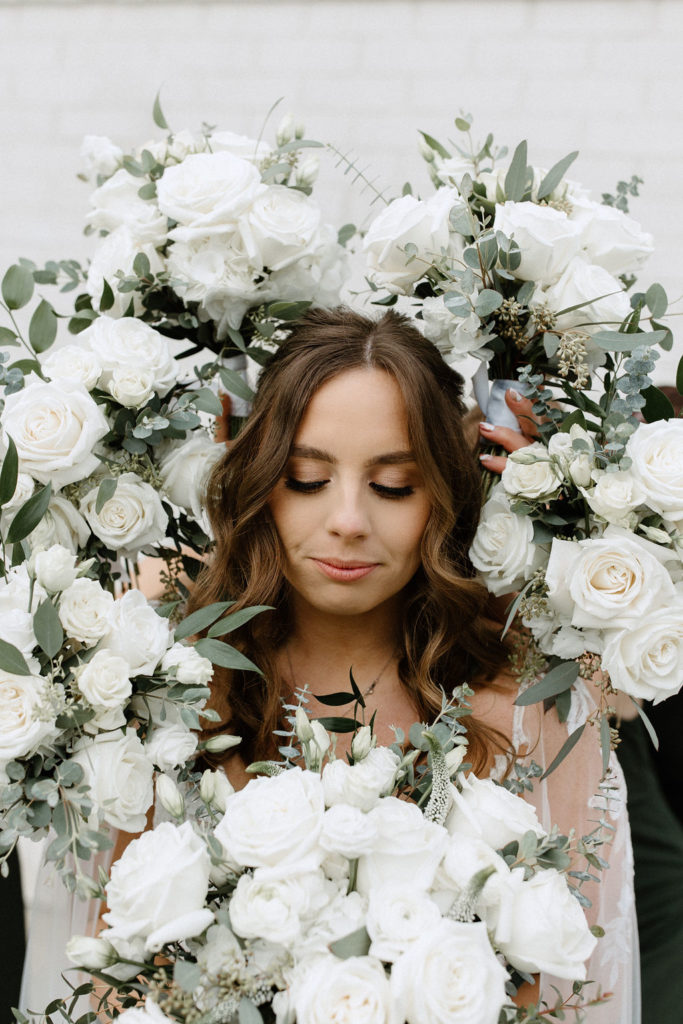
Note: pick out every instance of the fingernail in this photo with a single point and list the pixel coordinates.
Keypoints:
(485, 458)
(514, 395)
(486, 427)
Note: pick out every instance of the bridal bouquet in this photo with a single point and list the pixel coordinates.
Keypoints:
(375, 889)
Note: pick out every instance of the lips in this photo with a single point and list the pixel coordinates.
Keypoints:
(344, 571)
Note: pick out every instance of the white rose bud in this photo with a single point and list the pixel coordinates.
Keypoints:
(170, 796)
(91, 953)
(55, 568)
(362, 743)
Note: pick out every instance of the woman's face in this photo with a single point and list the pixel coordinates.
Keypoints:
(351, 508)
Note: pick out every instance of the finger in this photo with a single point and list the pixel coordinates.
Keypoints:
(522, 408)
(496, 463)
(509, 439)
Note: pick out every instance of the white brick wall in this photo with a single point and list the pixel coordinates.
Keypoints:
(603, 76)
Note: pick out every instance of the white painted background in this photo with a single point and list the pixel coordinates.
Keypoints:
(603, 76)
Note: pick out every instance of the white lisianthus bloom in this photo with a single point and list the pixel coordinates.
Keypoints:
(407, 850)
(116, 204)
(361, 784)
(503, 550)
(484, 810)
(119, 775)
(398, 915)
(450, 974)
(85, 611)
(606, 303)
(26, 718)
(104, 681)
(279, 226)
(137, 633)
(62, 524)
(531, 473)
(615, 497)
(253, 150)
(347, 830)
(351, 991)
(18, 603)
(610, 237)
(100, 156)
(546, 237)
(423, 223)
(116, 253)
(274, 822)
(158, 887)
(131, 519)
(576, 463)
(275, 905)
(170, 746)
(55, 568)
(607, 583)
(207, 192)
(191, 669)
(56, 427)
(540, 926)
(128, 344)
(73, 362)
(184, 469)
(646, 660)
(656, 453)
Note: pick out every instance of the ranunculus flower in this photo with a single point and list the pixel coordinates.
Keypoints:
(351, 991)
(55, 568)
(450, 975)
(361, 784)
(26, 719)
(104, 680)
(131, 519)
(546, 237)
(279, 226)
(158, 886)
(114, 255)
(646, 659)
(128, 344)
(423, 223)
(503, 549)
(530, 473)
(398, 914)
(116, 203)
(56, 427)
(137, 633)
(656, 452)
(62, 524)
(484, 810)
(73, 362)
(540, 926)
(184, 469)
(85, 611)
(119, 775)
(407, 850)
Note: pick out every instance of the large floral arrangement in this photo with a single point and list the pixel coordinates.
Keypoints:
(371, 889)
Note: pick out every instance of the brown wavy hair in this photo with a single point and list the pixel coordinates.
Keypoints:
(447, 635)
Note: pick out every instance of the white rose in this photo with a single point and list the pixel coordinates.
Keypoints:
(128, 344)
(55, 568)
(73, 362)
(397, 916)
(450, 975)
(317, 276)
(104, 680)
(361, 784)
(253, 150)
(274, 821)
(207, 192)
(116, 253)
(344, 914)
(85, 611)
(105, 720)
(540, 926)
(610, 237)
(119, 775)
(100, 156)
(137, 633)
(606, 302)
(62, 524)
(150, 1013)
(351, 991)
(131, 388)
(408, 220)
(530, 473)
(503, 549)
(158, 887)
(191, 669)
(171, 746)
(546, 237)
(116, 203)
(184, 470)
(656, 451)
(131, 519)
(611, 582)
(347, 830)
(407, 850)
(484, 810)
(275, 906)
(26, 718)
(280, 226)
(55, 427)
(646, 660)
(614, 497)
(18, 603)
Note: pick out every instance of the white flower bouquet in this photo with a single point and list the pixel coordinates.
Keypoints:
(387, 888)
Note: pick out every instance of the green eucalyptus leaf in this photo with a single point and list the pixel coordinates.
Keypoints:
(105, 491)
(354, 944)
(224, 655)
(234, 383)
(345, 233)
(29, 515)
(335, 700)
(9, 472)
(656, 300)
(248, 1012)
(338, 724)
(237, 619)
(517, 175)
(8, 337)
(17, 286)
(487, 301)
(556, 681)
(657, 405)
(12, 660)
(206, 401)
(556, 174)
(187, 975)
(158, 115)
(436, 146)
(287, 310)
(605, 742)
(200, 619)
(148, 191)
(567, 747)
(48, 628)
(107, 297)
(679, 377)
(141, 265)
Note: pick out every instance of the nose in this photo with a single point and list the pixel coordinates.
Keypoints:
(348, 516)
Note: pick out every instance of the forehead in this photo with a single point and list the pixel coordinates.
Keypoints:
(361, 408)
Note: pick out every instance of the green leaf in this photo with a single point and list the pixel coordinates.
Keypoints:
(354, 944)
(248, 1012)
(17, 286)
(187, 975)
(656, 300)
(148, 191)
(48, 628)
(605, 742)
(679, 377)
(567, 747)
(12, 660)
(206, 401)
(462, 124)
(9, 472)
(29, 515)
(335, 700)
(516, 177)
(436, 146)
(556, 174)
(657, 405)
(157, 114)
(105, 491)
(107, 298)
(141, 265)
(345, 233)
(237, 619)
(224, 655)
(338, 724)
(648, 725)
(487, 302)
(556, 681)
(615, 341)
(288, 310)
(200, 619)
(233, 383)
(8, 337)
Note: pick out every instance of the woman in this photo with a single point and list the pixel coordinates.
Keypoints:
(348, 504)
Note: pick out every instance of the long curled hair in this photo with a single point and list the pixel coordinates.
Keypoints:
(446, 634)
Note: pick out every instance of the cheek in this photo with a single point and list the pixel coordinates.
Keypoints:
(411, 531)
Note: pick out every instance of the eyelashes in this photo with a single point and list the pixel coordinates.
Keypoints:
(312, 486)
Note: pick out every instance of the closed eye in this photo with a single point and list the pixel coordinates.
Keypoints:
(304, 486)
(392, 492)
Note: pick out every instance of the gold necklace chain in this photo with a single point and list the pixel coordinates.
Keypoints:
(371, 687)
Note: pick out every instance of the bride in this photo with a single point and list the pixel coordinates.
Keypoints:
(348, 505)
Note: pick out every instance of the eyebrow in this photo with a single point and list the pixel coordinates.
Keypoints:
(397, 458)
